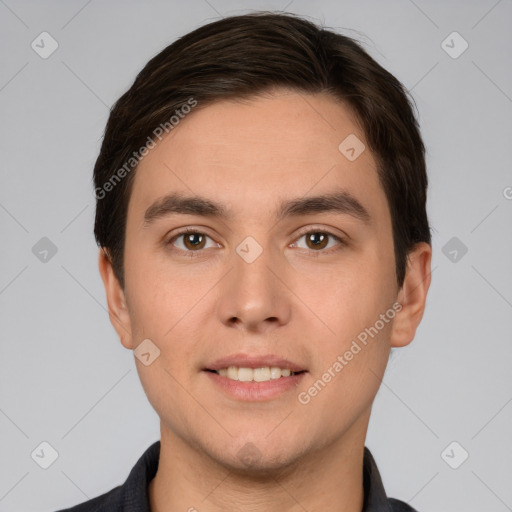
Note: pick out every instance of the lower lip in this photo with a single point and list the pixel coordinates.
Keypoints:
(255, 391)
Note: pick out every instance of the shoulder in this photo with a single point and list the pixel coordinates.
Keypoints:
(110, 501)
(133, 494)
(375, 497)
(399, 506)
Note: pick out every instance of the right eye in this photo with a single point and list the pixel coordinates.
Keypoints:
(192, 240)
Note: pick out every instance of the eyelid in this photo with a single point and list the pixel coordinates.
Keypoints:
(321, 229)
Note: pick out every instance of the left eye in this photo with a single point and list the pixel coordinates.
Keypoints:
(318, 240)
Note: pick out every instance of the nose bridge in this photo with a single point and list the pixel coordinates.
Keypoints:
(252, 295)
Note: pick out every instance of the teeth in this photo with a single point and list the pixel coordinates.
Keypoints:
(245, 374)
(275, 372)
(257, 374)
(261, 374)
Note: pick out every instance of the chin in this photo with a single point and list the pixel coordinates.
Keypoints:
(259, 457)
(252, 462)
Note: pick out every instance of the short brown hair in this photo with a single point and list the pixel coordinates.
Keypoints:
(240, 57)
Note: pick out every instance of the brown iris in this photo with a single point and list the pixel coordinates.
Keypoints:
(194, 240)
(318, 239)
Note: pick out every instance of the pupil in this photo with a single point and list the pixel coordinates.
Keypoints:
(317, 239)
(191, 237)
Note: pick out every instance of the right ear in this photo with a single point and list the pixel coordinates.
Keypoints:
(116, 300)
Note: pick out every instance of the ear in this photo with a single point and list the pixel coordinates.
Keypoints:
(116, 301)
(413, 295)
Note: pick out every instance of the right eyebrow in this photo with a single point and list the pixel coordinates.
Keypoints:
(177, 203)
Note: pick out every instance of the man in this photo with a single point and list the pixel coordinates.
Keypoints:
(264, 242)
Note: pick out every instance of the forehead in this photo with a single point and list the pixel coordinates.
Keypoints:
(243, 153)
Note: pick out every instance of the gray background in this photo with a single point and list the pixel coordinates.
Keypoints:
(64, 376)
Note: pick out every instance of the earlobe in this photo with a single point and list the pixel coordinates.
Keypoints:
(413, 295)
(116, 301)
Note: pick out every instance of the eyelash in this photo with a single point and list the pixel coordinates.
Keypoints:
(192, 254)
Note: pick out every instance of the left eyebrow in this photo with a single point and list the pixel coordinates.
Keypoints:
(340, 202)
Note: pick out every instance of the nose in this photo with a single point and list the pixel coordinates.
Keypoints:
(254, 296)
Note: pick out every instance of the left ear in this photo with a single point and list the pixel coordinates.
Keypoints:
(413, 295)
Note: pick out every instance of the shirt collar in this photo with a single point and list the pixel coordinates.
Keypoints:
(375, 498)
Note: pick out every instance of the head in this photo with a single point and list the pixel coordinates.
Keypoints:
(296, 162)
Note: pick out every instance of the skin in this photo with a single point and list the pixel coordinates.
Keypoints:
(295, 300)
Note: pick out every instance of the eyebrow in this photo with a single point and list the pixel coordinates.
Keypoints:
(340, 202)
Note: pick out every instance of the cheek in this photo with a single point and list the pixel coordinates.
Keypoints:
(347, 371)
(346, 298)
(348, 305)
(160, 314)
(162, 384)
(158, 294)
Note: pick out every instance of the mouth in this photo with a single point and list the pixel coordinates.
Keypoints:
(254, 378)
(262, 374)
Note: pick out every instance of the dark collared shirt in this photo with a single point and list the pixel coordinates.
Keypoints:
(133, 495)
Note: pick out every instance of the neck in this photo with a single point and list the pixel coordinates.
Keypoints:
(329, 479)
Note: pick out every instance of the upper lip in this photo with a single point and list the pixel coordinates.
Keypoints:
(254, 361)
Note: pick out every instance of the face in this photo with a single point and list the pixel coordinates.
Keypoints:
(267, 281)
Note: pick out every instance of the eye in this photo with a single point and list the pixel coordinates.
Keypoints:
(192, 240)
(318, 240)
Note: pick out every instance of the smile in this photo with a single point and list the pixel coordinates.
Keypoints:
(264, 374)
